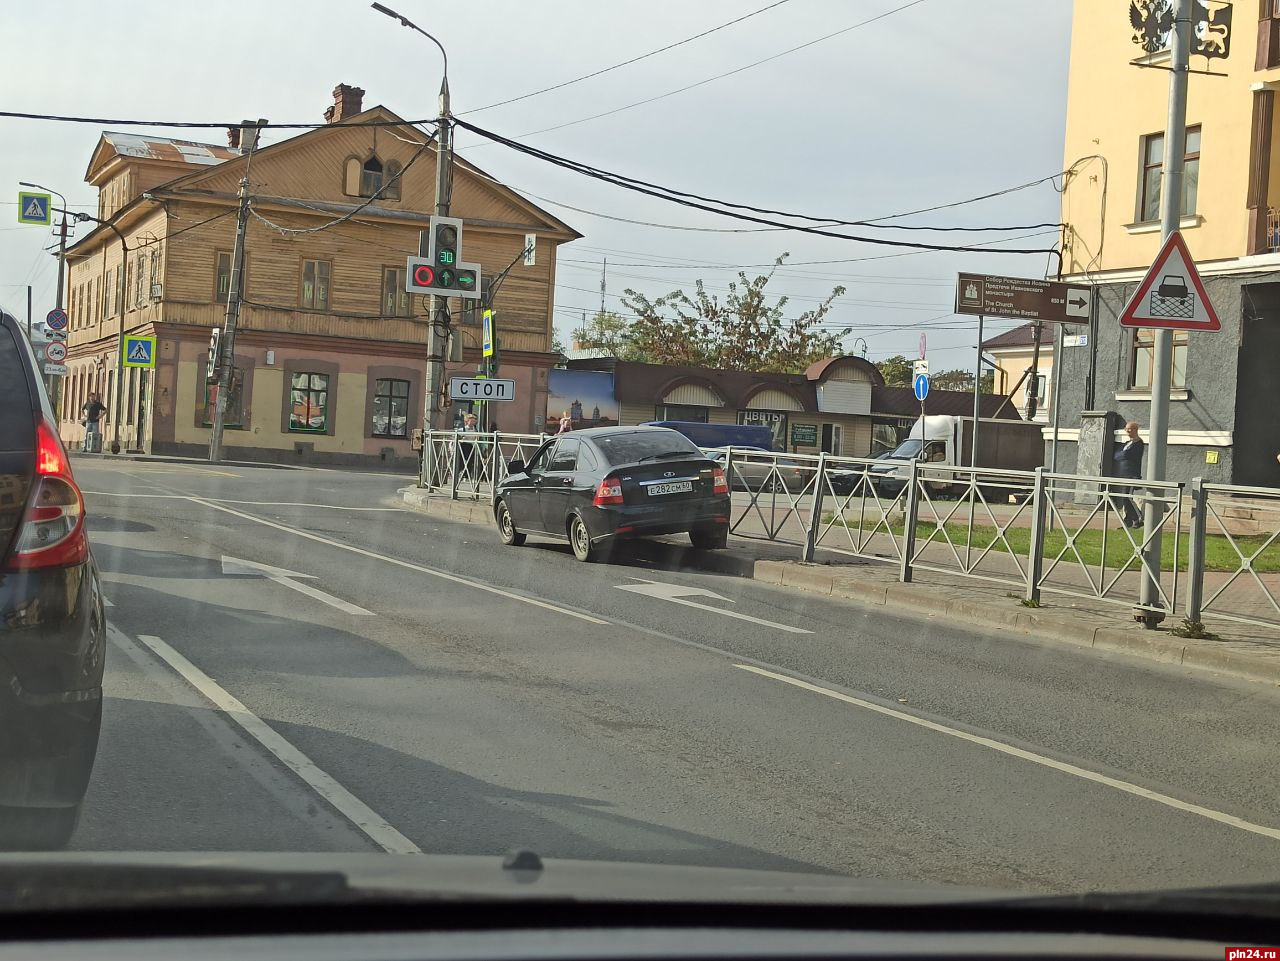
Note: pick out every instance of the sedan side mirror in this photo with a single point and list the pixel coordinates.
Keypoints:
(515, 467)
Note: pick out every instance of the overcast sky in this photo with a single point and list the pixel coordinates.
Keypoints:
(943, 101)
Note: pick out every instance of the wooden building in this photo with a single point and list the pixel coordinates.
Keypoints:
(330, 358)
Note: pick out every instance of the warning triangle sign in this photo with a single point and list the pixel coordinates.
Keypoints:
(1171, 294)
(140, 352)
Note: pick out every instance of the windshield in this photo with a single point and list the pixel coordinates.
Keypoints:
(269, 584)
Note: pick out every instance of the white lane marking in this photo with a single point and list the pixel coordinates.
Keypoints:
(106, 601)
(443, 575)
(1076, 771)
(677, 594)
(347, 804)
(289, 579)
(223, 500)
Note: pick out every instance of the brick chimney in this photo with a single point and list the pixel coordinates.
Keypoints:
(233, 138)
(347, 101)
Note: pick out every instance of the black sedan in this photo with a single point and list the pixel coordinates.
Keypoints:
(594, 487)
(52, 628)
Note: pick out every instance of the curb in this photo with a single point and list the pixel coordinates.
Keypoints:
(1184, 652)
(167, 459)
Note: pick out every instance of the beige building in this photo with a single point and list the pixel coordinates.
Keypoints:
(331, 354)
(1222, 423)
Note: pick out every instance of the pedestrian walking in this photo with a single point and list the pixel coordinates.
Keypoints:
(1128, 463)
(91, 418)
(470, 425)
(566, 423)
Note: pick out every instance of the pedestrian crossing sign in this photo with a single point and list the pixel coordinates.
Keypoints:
(139, 351)
(34, 208)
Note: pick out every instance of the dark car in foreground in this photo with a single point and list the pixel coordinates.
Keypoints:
(52, 626)
(595, 487)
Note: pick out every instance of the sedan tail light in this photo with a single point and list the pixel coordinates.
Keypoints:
(719, 483)
(52, 532)
(609, 492)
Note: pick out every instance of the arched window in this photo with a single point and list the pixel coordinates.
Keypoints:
(371, 177)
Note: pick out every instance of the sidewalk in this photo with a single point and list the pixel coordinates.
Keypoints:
(1242, 650)
(172, 459)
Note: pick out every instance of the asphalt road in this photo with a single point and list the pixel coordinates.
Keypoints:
(297, 663)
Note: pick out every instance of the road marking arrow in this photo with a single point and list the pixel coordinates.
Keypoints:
(679, 594)
(237, 565)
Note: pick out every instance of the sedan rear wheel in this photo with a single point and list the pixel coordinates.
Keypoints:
(580, 538)
(507, 526)
(709, 540)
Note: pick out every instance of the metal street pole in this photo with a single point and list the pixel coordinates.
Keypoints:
(977, 396)
(54, 393)
(1033, 388)
(119, 384)
(438, 328)
(227, 343)
(1175, 137)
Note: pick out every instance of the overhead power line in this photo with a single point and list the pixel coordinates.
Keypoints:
(678, 197)
(117, 122)
(727, 73)
(627, 63)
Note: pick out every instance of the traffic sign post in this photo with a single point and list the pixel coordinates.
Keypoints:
(1171, 295)
(35, 208)
(139, 351)
(55, 352)
(1022, 298)
(920, 385)
(481, 389)
(56, 319)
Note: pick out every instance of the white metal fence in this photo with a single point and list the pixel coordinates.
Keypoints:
(1033, 531)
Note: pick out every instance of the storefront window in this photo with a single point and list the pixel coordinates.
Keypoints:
(309, 403)
(682, 412)
(391, 408)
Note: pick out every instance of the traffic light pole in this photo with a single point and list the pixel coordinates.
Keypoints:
(227, 344)
(438, 329)
(1175, 145)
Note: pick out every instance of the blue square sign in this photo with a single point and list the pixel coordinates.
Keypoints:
(34, 208)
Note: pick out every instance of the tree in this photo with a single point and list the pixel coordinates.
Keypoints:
(557, 345)
(744, 331)
(895, 370)
(960, 380)
(610, 333)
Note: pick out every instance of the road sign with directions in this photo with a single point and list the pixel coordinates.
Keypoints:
(1022, 298)
(481, 388)
(139, 351)
(920, 386)
(1172, 294)
(56, 319)
(34, 208)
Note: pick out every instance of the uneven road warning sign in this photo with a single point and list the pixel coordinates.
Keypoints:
(139, 351)
(1172, 293)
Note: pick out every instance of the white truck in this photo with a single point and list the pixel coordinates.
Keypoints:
(948, 440)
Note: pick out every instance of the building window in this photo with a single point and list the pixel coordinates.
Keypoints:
(140, 280)
(395, 299)
(370, 177)
(309, 403)
(683, 412)
(1144, 353)
(235, 401)
(392, 185)
(222, 277)
(1153, 168)
(315, 284)
(391, 408)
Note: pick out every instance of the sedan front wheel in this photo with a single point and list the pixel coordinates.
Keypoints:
(507, 526)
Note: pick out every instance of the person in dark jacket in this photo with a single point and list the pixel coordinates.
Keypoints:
(1128, 463)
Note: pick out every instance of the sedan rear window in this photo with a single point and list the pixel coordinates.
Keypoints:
(646, 444)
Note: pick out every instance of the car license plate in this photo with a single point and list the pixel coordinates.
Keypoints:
(678, 487)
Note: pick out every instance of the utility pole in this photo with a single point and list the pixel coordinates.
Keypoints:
(1033, 388)
(227, 345)
(52, 379)
(438, 329)
(28, 313)
(604, 270)
(1175, 148)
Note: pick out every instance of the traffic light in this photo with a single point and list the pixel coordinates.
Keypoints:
(439, 269)
(211, 363)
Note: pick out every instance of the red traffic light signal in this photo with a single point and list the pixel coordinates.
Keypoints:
(424, 275)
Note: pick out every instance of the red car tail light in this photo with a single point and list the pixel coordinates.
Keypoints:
(609, 492)
(52, 530)
(719, 483)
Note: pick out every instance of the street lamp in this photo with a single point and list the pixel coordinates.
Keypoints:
(119, 385)
(863, 342)
(438, 329)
